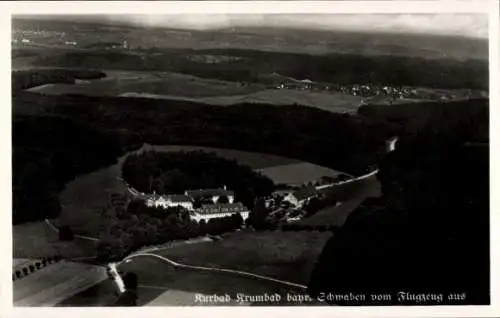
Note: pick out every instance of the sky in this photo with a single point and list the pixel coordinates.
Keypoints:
(469, 25)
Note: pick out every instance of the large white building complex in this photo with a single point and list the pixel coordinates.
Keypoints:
(210, 203)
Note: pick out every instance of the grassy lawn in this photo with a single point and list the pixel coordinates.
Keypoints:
(82, 200)
(351, 195)
(37, 239)
(283, 255)
(50, 285)
(102, 294)
(166, 286)
(175, 84)
(334, 102)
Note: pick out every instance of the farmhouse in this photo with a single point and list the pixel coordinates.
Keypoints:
(170, 201)
(301, 196)
(210, 211)
(212, 194)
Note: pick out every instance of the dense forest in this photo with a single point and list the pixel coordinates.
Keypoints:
(251, 66)
(48, 152)
(428, 233)
(465, 120)
(176, 172)
(343, 142)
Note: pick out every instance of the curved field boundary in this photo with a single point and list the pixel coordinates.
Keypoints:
(214, 269)
(83, 237)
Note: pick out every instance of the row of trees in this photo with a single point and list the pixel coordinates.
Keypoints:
(31, 268)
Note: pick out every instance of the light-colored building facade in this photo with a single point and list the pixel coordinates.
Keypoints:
(391, 144)
(211, 211)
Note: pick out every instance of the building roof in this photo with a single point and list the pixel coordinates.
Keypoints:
(212, 192)
(305, 193)
(221, 208)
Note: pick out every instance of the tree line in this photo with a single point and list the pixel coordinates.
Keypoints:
(253, 66)
(33, 267)
(305, 133)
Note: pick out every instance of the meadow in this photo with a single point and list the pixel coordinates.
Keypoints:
(119, 82)
(333, 102)
(37, 239)
(168, 286)
(351, 195)
(283, 255)
(54, 283)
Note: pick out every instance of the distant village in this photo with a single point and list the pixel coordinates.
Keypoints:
(371, 93)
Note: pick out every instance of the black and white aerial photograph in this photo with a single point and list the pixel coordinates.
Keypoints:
(248, 159)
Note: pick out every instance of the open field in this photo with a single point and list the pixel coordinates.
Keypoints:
(83, 199)
(161, 83)
(351, 195)
(54, 283)
(37, 239)
(177, 287)
(166, 85)
(167, 286)
(297, 173)
(334, 102)
(101, 294)
(283, 255)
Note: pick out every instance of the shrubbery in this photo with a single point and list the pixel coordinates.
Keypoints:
(141, 226)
